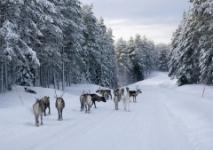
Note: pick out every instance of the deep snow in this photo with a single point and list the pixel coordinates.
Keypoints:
(166, 117)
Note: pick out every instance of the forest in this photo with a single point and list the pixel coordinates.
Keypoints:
(58, 43)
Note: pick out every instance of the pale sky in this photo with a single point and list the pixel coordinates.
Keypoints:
(156, 19)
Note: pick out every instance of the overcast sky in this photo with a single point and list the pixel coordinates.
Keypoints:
(157, 19)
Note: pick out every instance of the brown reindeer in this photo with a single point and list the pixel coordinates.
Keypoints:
(105, 93)
(117, 97)
(134, 94)
(38, 108)
(60, 105)
(46, 101)
(118, 94)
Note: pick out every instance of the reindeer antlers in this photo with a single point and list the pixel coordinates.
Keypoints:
(57, 95)
(62, 94)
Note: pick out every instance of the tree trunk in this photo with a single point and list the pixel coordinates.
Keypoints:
(2, 78)
(6, 78)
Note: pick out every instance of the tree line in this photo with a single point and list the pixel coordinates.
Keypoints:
(138, 57)
(59, 43)
(51, 42)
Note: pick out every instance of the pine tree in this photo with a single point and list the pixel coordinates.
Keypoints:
(191, 55)
(163, 57)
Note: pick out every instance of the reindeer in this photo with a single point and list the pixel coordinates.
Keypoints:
(86, 102)
(30, 91)
(117, 97)
(97, 98)
(46, 102)
(125, 98)
(104, 93)
(59, 104)
(134, 94)
(38, 108)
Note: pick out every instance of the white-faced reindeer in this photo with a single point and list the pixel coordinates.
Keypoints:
(38, 108)
(125, 98)
(134, 94)
(86, 102)
(46, 102)
(122, 94)
(59, 104)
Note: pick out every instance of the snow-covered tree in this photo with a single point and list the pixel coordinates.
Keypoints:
(191, 54)
(136, 59)
(163, 57)
(53, 42)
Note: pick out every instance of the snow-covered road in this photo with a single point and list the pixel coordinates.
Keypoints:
(166, 117)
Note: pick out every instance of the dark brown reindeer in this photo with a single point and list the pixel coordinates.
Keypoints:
(28, 90)
(38, 108)
(60, 105)
(134, 94)
(97, 98)
(46, 102)
(104, 93)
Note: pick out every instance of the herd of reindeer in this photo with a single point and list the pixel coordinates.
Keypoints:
(87, 100)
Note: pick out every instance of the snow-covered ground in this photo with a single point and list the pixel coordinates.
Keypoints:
(166, 117)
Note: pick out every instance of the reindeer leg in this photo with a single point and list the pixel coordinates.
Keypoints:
(36, 121)
(128, 106)
(45, 112)
(62, 114)
(116, 105)
(94, 104)
(58, 115)
(82, 107)
(85, 109)
(124, 103)
(41, 116)
(88, 109)
(49, 110)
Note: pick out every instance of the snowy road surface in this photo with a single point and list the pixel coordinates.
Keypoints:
(165, 117)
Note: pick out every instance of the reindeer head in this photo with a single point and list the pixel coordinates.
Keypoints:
(103, 99)
(139, 91)
(40, 103)
(48, 97)
(127, 89)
